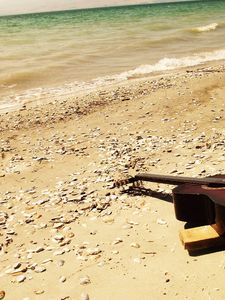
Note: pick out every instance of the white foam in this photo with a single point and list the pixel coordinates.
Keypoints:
(205, 28)
(40, 95)
(175, 63)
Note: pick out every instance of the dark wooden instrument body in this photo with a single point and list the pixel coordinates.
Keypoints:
(201, 204)
(196, 200)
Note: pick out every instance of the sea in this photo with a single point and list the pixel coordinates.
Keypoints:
(54, 54)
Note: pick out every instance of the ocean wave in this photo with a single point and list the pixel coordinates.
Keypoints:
(167, 64)
(209, 27)
(40, 95)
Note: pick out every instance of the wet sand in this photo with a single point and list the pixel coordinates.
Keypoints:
(65, 233)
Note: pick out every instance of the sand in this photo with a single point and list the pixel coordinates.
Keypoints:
(66, 233)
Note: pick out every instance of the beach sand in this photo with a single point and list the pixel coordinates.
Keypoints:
(66, 234)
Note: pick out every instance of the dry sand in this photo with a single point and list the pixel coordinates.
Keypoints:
(66, 234)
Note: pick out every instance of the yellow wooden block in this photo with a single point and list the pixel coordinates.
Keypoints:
(203, 237)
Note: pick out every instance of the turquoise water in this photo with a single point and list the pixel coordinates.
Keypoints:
(62, 51)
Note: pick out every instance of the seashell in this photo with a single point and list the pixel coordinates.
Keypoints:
(39, 269)
(108, 220)
(117, 241)
(85, 280)
(127, 226)
(82, 258)
(39, 292)
(2, 295)
(70, 235)
(16, 265)
(29, 255)
(58, 225)
(135, 245)
(58, 238)
(61, 262)
(161, 222)
(39, 249)
(132, 223)
(137, 260)
(20, 278)
(84, 296)
(46, 261)
(62, 279)
(59, 252)
(16, 272)
(94, 251)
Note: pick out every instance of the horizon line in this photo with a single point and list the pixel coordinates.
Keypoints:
(99, 7)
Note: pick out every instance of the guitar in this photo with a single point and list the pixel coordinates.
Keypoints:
(196, 200)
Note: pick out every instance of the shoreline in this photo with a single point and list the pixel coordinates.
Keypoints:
(41, 95)
(81, 102)
(66, 234)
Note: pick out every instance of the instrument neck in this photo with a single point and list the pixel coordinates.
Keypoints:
(176, 180)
